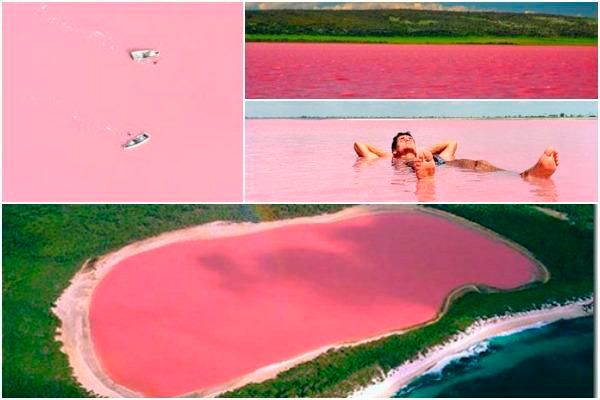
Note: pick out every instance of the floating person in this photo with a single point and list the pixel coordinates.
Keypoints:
(425, 161)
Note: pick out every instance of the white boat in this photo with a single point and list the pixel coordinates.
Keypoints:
(137, 141)
(140, 55)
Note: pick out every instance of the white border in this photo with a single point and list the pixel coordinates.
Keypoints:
(244, 132)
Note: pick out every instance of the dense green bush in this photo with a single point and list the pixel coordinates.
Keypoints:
(416, 23)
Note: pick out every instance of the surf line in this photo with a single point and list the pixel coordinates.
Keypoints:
(480, 331)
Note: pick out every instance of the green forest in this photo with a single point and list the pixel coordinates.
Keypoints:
(44, 246)
(418, 26)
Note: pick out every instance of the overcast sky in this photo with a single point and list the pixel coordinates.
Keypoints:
(407, 109)
(562, 8)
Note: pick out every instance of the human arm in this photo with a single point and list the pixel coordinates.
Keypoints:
(446, 149)
(368, 150)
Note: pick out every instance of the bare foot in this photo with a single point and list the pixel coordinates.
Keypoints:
(545, 166)
(424, 165)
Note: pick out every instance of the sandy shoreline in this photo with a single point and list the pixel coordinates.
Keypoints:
(476, 333)
(72, 308)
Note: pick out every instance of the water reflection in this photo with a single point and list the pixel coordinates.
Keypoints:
(426, 189)
(365, 162)
(463, 180)
(543, 189)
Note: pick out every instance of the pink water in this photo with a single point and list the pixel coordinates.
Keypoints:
(72, 92)
(196, 314)
(313, 160)
(312, 70)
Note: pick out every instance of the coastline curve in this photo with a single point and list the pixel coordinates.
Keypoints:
(72, 308)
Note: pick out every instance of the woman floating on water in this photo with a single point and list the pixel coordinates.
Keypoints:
(424, 161)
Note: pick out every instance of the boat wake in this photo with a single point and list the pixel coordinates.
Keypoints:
(95, 36)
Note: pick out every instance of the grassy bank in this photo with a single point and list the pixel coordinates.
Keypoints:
(418, 26)
(44, 245)
(498, 40)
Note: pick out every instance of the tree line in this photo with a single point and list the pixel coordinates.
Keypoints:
(416, 23)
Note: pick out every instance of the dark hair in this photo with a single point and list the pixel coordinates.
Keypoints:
(396, 138)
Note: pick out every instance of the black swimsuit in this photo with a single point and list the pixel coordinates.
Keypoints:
(438, 160)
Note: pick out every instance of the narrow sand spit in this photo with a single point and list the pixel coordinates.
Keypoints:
(72, 307)
(478, 332)
(553, 213)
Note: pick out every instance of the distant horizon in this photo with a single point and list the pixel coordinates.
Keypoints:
(578, 9)
(569, 116)
(418, 109)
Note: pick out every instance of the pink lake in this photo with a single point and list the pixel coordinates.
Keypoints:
(197, 314)
(335, 70)
(72, 92)
(290, 160)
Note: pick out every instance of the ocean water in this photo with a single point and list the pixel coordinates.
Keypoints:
(554, 360)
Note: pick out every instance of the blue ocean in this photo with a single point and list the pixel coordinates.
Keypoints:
(554, 360)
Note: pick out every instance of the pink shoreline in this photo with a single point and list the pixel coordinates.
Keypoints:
(217, 230)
